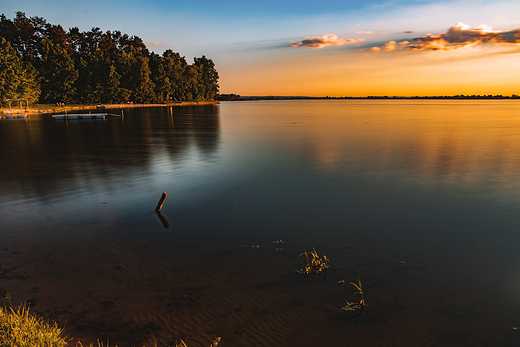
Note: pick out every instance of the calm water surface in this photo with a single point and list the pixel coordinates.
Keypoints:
(419, 199)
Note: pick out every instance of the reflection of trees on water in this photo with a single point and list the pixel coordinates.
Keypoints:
(193, 124)
(44, 155)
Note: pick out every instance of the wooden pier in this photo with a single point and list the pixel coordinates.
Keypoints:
(65, 116)
(13, 116)
(75, 116)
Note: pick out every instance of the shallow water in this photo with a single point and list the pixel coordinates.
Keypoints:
(419, 199)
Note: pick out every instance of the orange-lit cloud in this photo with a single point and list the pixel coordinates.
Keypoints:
(323, 41)
(390, 46)
(393, 45)
(364, 32)
(155, 44)
(458, 36)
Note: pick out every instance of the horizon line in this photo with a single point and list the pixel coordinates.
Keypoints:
(457, 96)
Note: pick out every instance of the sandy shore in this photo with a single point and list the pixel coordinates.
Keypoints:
(59, 109)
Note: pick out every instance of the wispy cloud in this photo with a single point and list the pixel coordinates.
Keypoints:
(155, 44)
(323, 41)
(364, 32)
(458, 36)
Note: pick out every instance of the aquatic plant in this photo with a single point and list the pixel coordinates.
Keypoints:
(355, 306)
(313, 263)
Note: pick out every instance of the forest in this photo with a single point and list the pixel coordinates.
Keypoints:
(44, 63)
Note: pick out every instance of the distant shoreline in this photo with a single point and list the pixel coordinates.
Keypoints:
(61, 109)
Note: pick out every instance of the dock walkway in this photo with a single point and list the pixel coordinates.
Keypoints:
(79, 116)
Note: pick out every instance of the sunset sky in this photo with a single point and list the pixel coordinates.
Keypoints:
(319, 48)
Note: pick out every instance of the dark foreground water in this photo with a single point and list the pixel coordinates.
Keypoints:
(418, 199)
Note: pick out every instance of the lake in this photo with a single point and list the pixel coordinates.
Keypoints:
(417, 199)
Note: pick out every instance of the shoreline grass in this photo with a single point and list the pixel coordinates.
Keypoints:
(18, 328)
(50, 108)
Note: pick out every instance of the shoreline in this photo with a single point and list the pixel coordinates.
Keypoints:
(59, 109)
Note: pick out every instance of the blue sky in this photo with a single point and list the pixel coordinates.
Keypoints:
(247, 36)
(201, 23)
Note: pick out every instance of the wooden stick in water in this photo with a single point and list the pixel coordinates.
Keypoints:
(161, 202)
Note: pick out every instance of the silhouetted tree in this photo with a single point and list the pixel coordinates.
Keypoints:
(59, 37)
(58, 73)
(18, 80)
(93, 66)
(143, 90)
(30, 86)
(208, 78)
(23, 33)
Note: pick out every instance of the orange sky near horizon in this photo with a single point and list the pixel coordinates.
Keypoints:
(475, 70)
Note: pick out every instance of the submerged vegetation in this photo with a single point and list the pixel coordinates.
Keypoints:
(355, 306)
(41, 62)
(313, 263)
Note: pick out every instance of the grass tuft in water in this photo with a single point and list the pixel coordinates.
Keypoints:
(313, 263)
(355, 306)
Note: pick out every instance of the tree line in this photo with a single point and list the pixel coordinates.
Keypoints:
(44, 63)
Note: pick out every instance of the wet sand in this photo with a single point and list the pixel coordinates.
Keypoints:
(111, 285)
